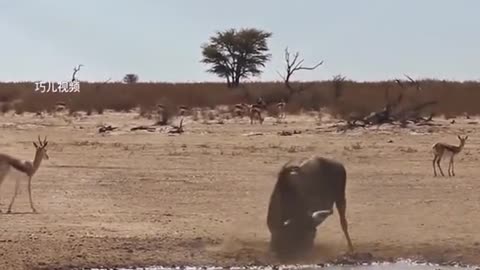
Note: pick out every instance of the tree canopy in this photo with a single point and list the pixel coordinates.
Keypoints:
(130, 78)
(237, 54)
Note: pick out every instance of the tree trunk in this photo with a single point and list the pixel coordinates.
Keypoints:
(237, 80)
(229, 83)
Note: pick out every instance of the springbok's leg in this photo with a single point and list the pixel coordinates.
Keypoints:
(342, 207)
(450, 166)
(438, 164)
(453, 170)
(434, 169)
(2, 177)
(17, 186)
(30, 194)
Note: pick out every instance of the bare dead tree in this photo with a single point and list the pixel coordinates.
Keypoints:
(293, 65)
(411, 82)
(75, 70)
(386, 114)
(337, 82)
(392, 103)
(391, 113)
(177, 129)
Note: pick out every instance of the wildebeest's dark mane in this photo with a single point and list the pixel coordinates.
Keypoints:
(293, 200)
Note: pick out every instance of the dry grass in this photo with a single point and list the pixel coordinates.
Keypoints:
(454, 98)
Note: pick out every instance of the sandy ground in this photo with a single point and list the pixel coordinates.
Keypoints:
(140, 198)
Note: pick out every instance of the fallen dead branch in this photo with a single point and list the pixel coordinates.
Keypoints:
(253, 134)
(106, 128)
(289, 133)
(147, 128)
(391, 114)
(177, 129)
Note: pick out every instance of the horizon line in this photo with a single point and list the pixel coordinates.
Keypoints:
(246, 82)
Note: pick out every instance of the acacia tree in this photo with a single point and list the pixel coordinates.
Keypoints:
(236, 54)
(130, 78)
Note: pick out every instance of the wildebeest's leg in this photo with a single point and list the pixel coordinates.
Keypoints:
(434, 169)
(342, 207)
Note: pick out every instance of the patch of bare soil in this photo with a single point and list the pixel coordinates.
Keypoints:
(138, 198)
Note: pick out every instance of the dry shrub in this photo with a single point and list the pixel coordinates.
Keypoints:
(147, 110)
(5, 107)
(454, 98)
(19, 108)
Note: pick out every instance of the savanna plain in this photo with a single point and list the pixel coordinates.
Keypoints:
(138, 198)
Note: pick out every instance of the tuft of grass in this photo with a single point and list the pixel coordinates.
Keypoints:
(407, 149)
(354, 146)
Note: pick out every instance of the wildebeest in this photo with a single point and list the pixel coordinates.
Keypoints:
(302, 199)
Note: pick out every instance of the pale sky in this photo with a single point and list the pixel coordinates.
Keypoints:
(160, 39)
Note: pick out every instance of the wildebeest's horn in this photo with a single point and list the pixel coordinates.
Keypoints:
(321, 215)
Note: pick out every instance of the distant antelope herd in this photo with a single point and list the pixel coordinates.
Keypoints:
(254, 111)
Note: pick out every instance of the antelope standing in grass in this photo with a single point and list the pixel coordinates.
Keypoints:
(240, 109)
(182, 110)
(281, 109)
(160, 110)
(27, 167)
(255, 110)
(443, 149)
(60, 106)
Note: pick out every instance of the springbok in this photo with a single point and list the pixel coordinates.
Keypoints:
(281, 109)
(60, 106)
(29, 168)
(240, 109)
(160, 108)
(303, 197)
(255, 110)
(182, 110)
(443, 149)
